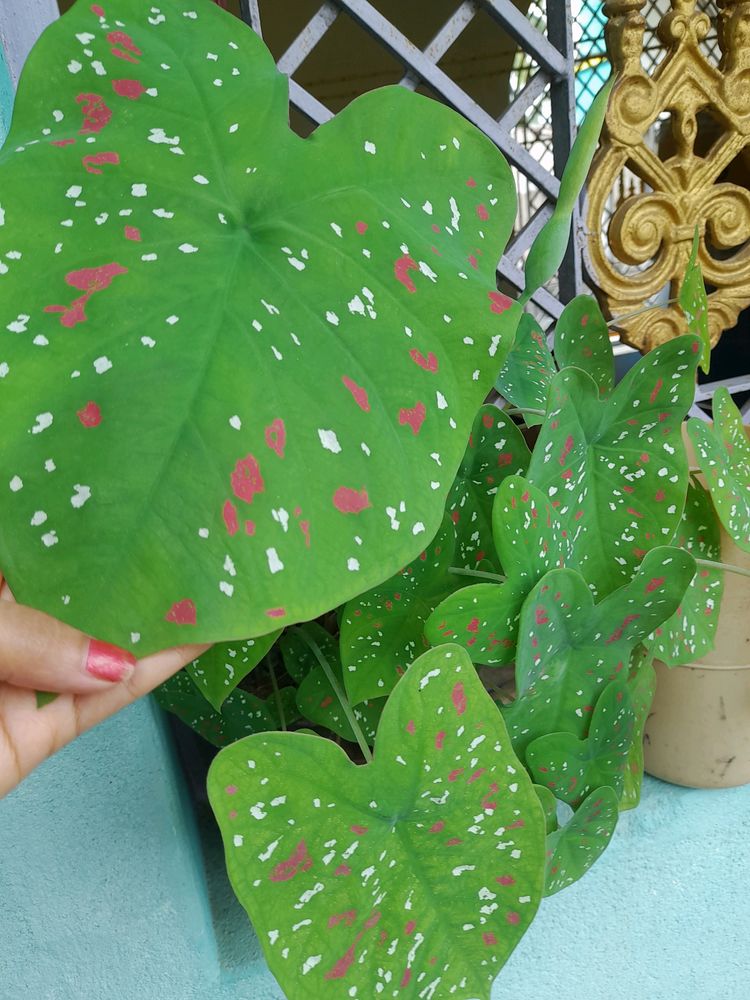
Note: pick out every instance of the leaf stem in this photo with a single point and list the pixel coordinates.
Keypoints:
(515, 411)
(495, 577)
(276, 692)
(639, 312)
(727, 567)
(333, 681)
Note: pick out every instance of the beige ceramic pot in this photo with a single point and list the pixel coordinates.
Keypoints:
(698, 732)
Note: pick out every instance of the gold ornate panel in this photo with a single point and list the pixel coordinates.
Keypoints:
(696, 173)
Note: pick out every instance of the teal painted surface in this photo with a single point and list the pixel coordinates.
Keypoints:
(6, 97)
(104, 895)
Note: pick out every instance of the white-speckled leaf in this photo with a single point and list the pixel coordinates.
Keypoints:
(724, 452)
(641, 689)
(528, 370)
(382, 631)
(582, 341)
(227, 352)
(615, 469)
(418, 873)
(574, 848)
(694, 303)
(497, 449)
(221, 668)
(529, 540)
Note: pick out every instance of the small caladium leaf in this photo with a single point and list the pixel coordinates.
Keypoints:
(525, 378)
(691, 631)
(382, 631)
(571, 648)
(582, 341)
(548, 249)
(497, 449)
(317, 699)
(549, 805)
(419, 871)
(221, 668)
(724, 452)
(641, 689)
(694, 303)
(616, 469)
(529, 541)
(573, 849)
(229, 352)
(573, 768)
(242, 714)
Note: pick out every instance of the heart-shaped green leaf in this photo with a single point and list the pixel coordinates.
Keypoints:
(572, 648)
(527, 374)
(616, 469)
(573, 849)
(418, 872)
(549, 805)
(528, 538)
(382, 631)
(690, 632)
(573, 768)
(548, 249)
(694, 303)
(242, 714)
(317, 699)
(724, 452)
(221, 668)
(229, 353)
(497, 449)
(582, 341)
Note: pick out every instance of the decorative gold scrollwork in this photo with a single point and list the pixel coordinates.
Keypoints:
(640, 246)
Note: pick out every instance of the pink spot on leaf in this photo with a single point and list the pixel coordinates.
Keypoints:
(96, 114)
(482, 212)
(246, 479)
(413, 416)
(358, 392)
(95, 160)
(350, 501)
(500, 303)
(458, 697)
(90, 415)
(133, 233)
(132, 89)
(229, 513)
(429, 363)
(182, 613)
(276, 436)
(298, 861)
(401, 270)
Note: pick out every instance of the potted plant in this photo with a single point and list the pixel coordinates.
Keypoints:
(239, 374)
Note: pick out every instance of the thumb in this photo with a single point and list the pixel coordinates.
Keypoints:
(39, 652)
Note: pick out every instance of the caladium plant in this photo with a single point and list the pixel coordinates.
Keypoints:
(246, 396)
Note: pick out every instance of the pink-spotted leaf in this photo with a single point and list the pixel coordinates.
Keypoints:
(616, 469)
(690, 632)
(422, 869)
(242, 713)
(529, 541)
(724, 452)
(582, 341)
(221, 668)
(570, 648)
(317, 699)
(574, 848)
(528, 371)
(228, 351)
(497, 449)
(382, 631)
(694, 303)
(573, 768)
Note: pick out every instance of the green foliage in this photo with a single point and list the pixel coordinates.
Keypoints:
(724, 452)
(222, 667)
(582, 341)
(574, 848)
(694, 303)
(427, 862)
(231, 351)
(528, 370)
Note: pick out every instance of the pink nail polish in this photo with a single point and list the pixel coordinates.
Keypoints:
(109, 663)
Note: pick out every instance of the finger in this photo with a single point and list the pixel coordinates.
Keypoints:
(37, 651)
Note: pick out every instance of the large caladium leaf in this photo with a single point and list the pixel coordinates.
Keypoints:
(237, 380)
(529, 368)
(382, 631)
(724, 452)
(616, 469)
(317, 699)
(572, 648)
(694, 303)
(573, 768)
(690, 632)
(221, 668)
(242, 714)
(419, 871)
(529, 540)
(497, 449)
(574, 848)
(582, 341)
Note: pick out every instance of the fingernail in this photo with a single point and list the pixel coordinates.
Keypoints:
(109, 663)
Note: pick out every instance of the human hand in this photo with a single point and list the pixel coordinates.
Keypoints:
(94, 680)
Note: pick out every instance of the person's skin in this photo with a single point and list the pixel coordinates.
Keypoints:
(39, 653)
